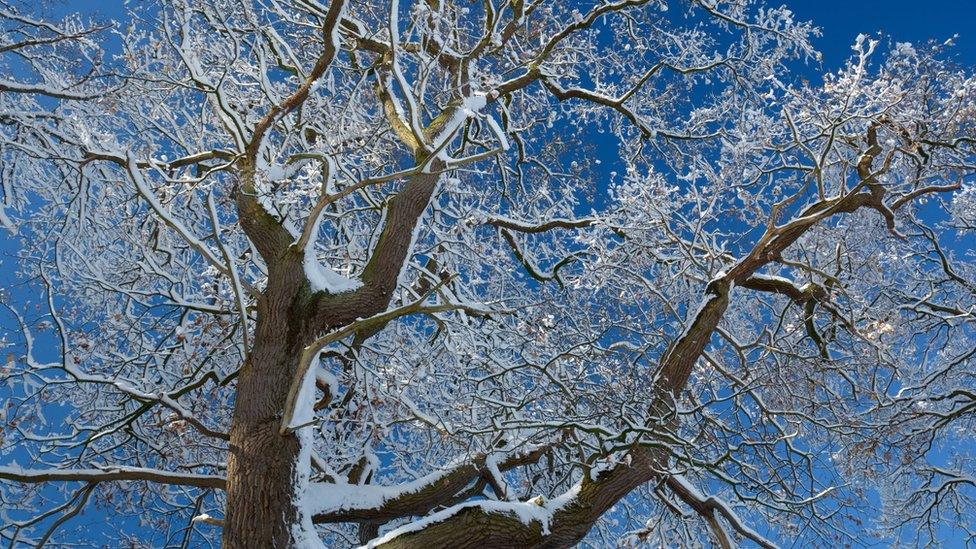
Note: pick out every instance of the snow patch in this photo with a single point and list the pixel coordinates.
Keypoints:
(468, 109)
(527, 513)
(324, 279)
(321, 277)
(303, 532)
(329, 498)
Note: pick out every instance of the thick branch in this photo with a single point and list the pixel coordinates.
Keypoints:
(420, 497)
(709, 507)
(522, 227)
(110, 473)
(798, 294)
(562, 522)
(392, 248)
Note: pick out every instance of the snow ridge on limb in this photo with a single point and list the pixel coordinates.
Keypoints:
(341, 502)
(110, 473)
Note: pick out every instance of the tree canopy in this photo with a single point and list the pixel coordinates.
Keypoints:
(508, 273)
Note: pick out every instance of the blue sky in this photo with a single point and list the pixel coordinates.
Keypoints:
(902, 20)
(840, 21)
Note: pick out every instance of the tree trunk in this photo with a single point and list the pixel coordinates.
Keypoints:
(263, 491)
(265, 469)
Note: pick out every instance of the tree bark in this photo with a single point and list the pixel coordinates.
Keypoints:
(262, 492)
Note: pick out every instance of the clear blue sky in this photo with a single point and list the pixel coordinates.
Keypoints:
(904, 20)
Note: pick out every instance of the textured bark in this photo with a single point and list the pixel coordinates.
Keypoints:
(680, 360)
(261, 498)
(472, 529)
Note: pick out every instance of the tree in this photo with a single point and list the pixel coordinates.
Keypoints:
(348, 272)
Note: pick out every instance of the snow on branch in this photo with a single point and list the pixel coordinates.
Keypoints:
(108, 473)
